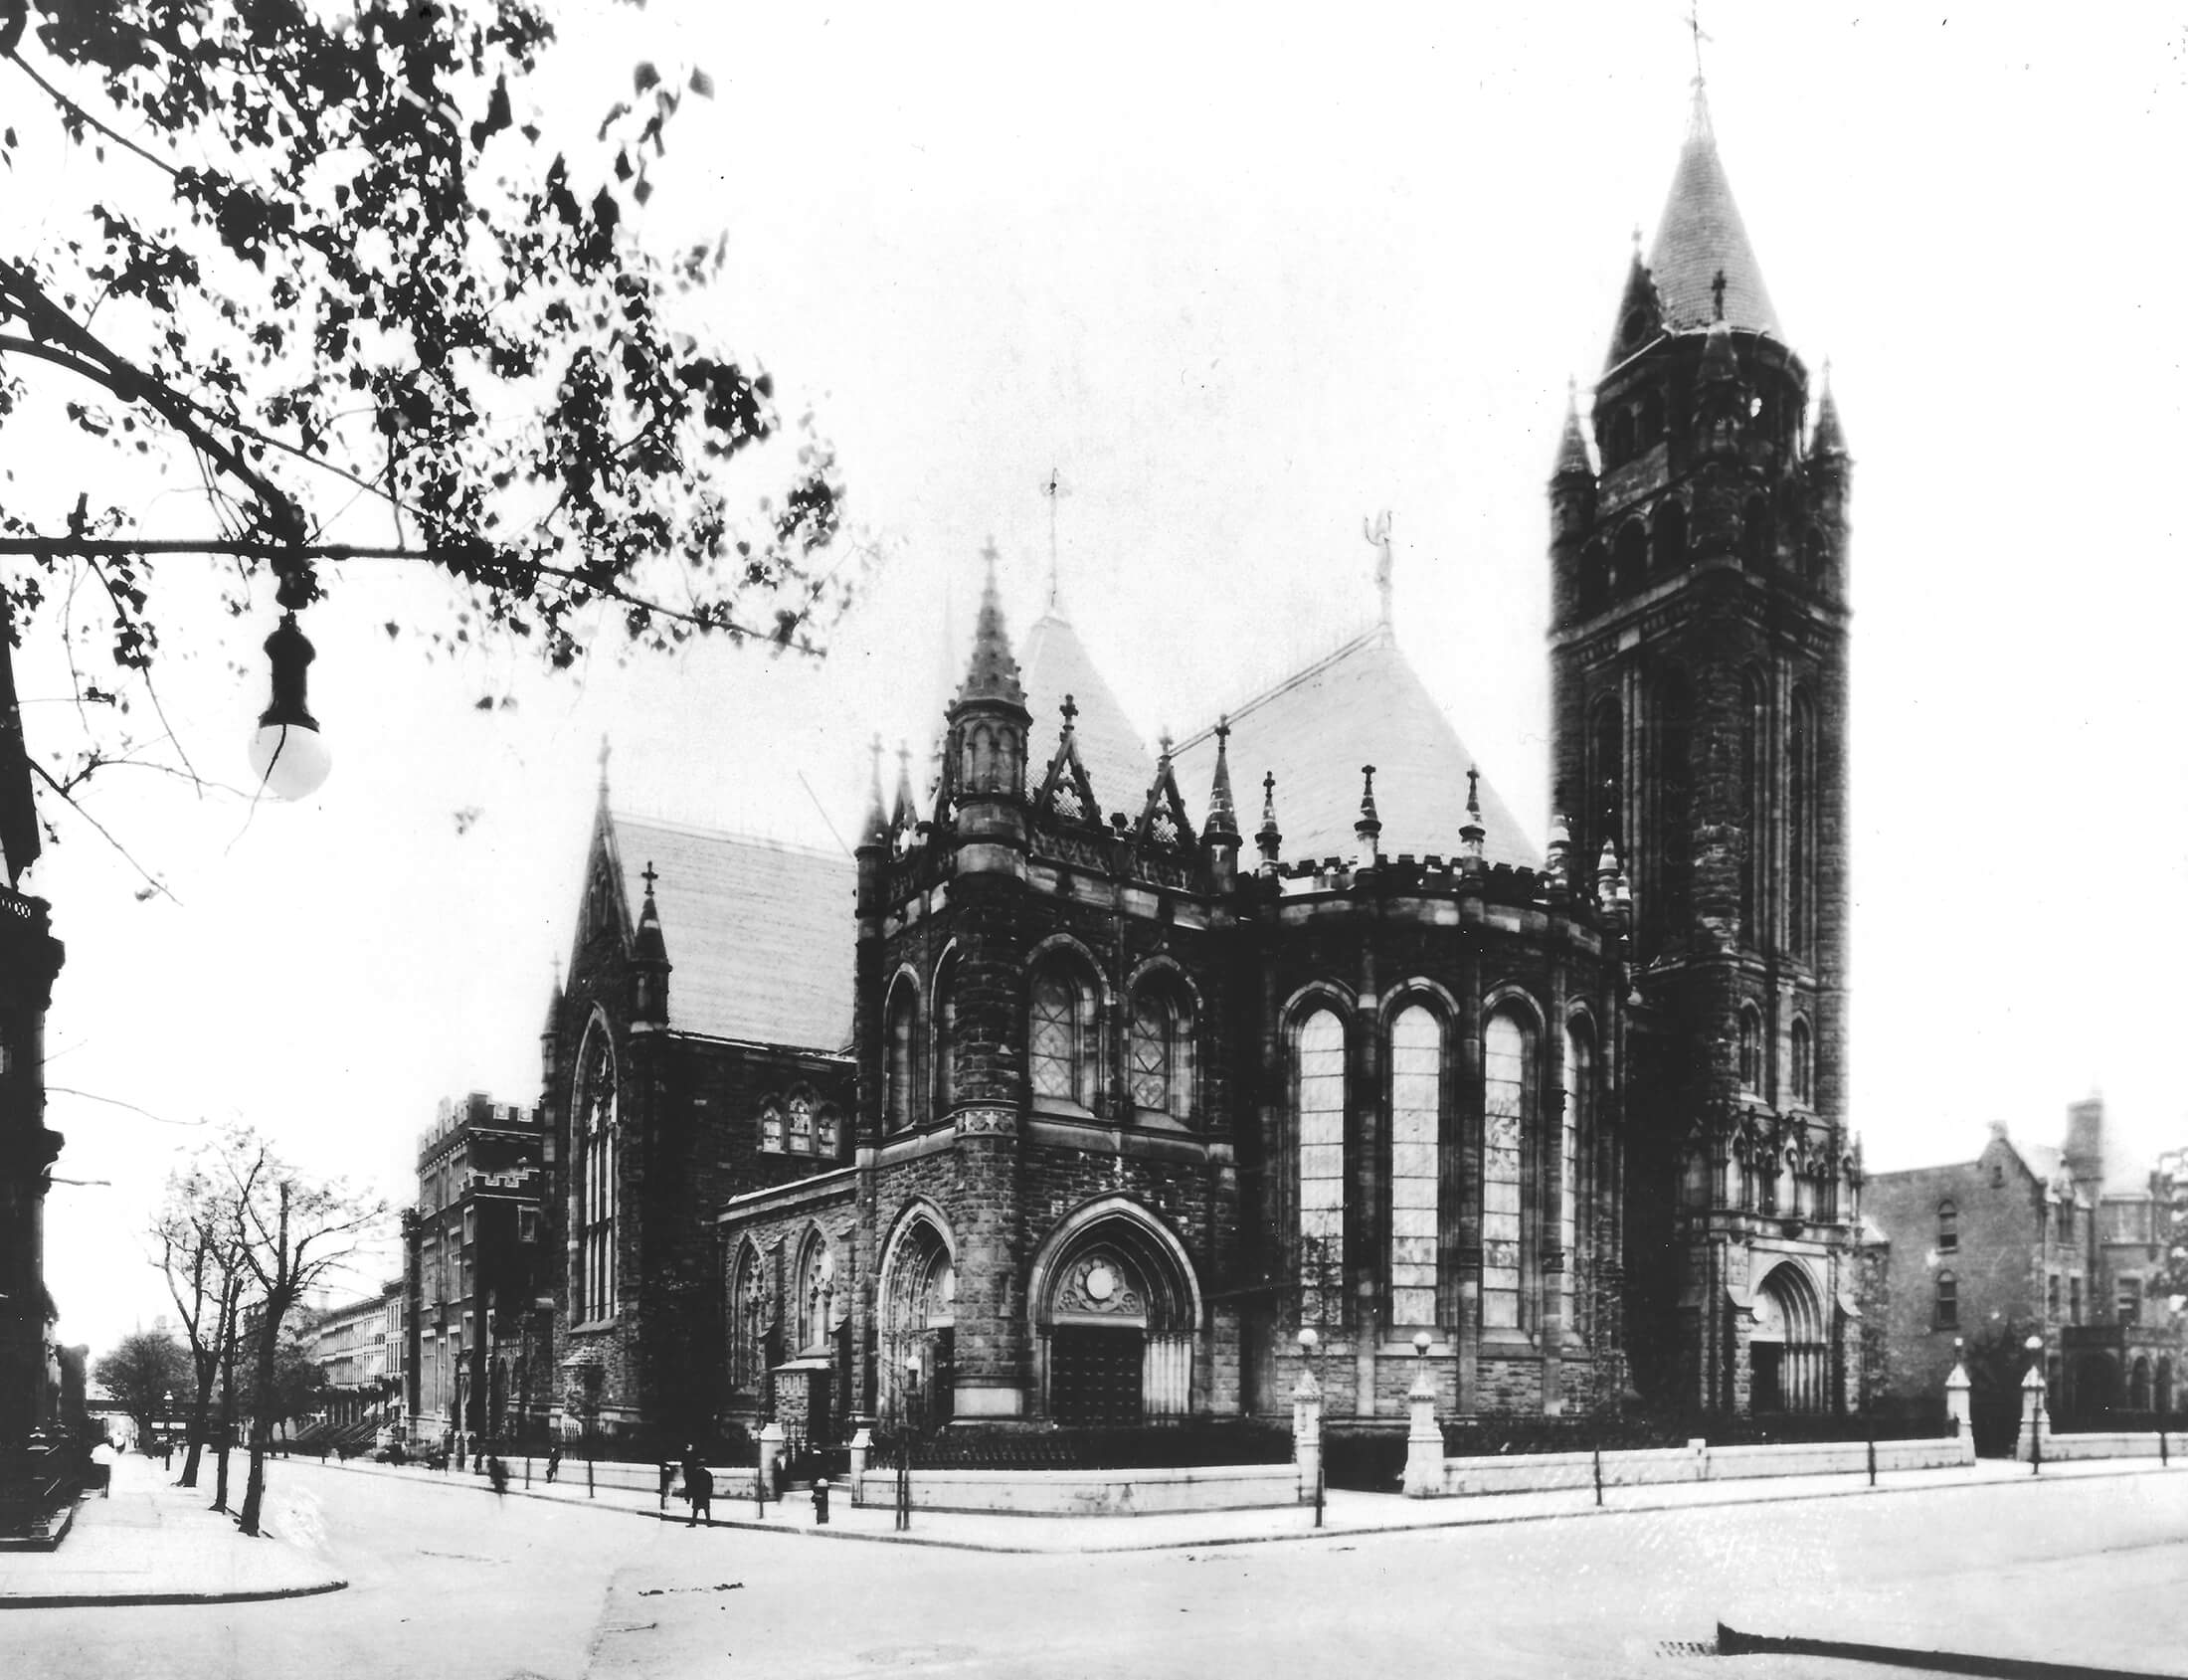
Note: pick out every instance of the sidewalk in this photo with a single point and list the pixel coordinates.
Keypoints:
(152, 1543)
(1346, 1513)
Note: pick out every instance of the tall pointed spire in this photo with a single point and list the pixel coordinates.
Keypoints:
(1269, 838)
(1700, 237)
(1223, 823)
(875, 829)
(1572, 448)
(992, 673)
(1830, 438)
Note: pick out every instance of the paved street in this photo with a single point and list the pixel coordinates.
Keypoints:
(447, 1580)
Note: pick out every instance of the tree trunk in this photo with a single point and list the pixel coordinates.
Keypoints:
(262, 1413)
(227, 1426)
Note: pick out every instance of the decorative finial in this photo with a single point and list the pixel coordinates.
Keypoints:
(1377, 534)
(1222, 727)
(1637, 241)
(990, 554)
(648, 876)
(1070, 711)
(1164, 742)
(1056, 492)
(1471, 831)
(1693, 28)
(1473, 790)
(1222, 820)
(1270, 838)
(1717, 292)
(1370, 825)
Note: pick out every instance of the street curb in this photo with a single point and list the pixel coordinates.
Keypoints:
(1765, 1494)
(87, 1601)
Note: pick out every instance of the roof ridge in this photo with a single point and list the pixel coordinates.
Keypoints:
(1374, 634)
(700, 831)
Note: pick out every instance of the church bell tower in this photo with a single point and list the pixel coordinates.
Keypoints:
(1699, 683)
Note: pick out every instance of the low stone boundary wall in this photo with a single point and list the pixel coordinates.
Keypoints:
(1087, 1493)
(1541, 1472)
(2141, 1444)
(730, 1481)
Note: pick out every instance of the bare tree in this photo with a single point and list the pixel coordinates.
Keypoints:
(201, 1260)
(293, 1231)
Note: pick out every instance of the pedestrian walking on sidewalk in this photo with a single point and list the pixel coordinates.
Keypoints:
(699, 1489)
(554, 1458)
(498, 1474)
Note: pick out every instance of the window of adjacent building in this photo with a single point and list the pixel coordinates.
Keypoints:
(1508, 1078)
(2128, 1300)
(2073, 1300)
(1162, 1049)
(1416, 1125)
(1948, 1301)
(2066, 1225)
(897, 1098)
(1319, 1101)
(801, 1125)
(1804, 1057)
(771, 1127)
(594, 1111)
(1948, 1227)
(827, 1132)
(1751, 1050)
(2050, 1296)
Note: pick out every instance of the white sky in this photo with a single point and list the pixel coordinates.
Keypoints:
(1245, 275)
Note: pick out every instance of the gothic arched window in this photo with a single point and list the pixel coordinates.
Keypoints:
(1948, 1227)
(899, 1094)
(1804, 1058)
(1508, 1098)
(814, 1304)
(1606, 803)
(747, 1320)
(592, 1112)
(827, 1132)
(1669, 550)
(1948, 1301)
(1318, 1102)
(1061, 1030)
(1629, 556)
(1162, 1049)
(1417, 1130)
(1801, 824)
(799, 1135)
(1751, 1048)
(1574, 1124)
(771, 1127)
(1753, 807)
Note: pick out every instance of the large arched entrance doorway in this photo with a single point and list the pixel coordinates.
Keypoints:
(917, 1382)
(1115, 1314)
(1788, 1350)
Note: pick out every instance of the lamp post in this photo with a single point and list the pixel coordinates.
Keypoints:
(1307, 1414)
(1423, 1437)
(905, 1425)
(288, 751)
(2032, 1386)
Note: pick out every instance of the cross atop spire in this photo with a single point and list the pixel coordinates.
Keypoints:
(1056, 492)
(648, 877)
(1270, 838)
(1070, 711)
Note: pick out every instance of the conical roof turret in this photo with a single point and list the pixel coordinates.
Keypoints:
(1703, 266)
(992, 673)
(647, 945)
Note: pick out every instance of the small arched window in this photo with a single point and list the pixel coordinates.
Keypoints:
(800, 1136)
(903, 1036)
(1948, 1227)
(945, 1019)
(1804, 1063)
(771, 1127)
(1162, 1049)
(1751, 1048)
(1061, 1031)
(1948, 1301)
(827, 1132)
(1670, 536)
(1318, 1102)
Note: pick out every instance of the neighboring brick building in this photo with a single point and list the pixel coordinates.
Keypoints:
(2027, 1239)
(359, 1348)
(30, 962)
(475, 1345)
(1134, 1104)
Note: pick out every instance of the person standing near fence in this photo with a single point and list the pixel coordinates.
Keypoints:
(554, 1458)
(698, 1488)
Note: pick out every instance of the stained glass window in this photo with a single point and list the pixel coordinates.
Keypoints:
(1416, 1113)
(1507, 1072)
(1054, 1036)
(1320, 1100)
(801, 1125)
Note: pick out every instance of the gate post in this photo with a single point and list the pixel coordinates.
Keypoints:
(1307, 1428)
(1424, 1437)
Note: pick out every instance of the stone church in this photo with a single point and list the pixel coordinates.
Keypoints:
(1098, 1076)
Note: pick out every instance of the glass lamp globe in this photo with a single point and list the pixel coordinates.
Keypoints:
(291, 759)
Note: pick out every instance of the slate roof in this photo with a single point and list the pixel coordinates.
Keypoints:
(1363, 704)
(760, 934)
(1117, 760)
(1700, 232)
